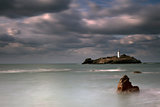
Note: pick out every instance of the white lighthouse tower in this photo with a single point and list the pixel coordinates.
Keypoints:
(118, 54)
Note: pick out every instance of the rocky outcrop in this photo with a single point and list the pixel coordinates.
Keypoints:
(137, 72)
(124, 59)
(125, 86)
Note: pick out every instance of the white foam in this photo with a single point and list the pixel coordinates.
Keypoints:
(33, 70)
(107, 70)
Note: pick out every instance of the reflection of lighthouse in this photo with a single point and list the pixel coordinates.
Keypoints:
(118, 54)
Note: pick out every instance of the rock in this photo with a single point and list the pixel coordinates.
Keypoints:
(88, 61)
(125, 86)
(137, 72)
(124, 59)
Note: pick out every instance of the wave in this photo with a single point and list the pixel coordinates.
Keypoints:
(154, 91)
(150, 96)
(33, 70)
(151, 72)
(107, 70)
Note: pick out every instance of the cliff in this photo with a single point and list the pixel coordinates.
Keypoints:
(124, 59)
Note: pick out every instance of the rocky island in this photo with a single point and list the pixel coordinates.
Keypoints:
(121, 59)
(124, 59)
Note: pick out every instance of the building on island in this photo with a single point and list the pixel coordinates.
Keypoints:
(118, 54)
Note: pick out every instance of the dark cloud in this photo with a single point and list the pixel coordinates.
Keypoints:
(5, 40)
(124, 17)
(22, 8)
(76, 32)
(60, 23)
(117, 19)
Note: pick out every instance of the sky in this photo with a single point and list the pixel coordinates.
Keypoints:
(68, 31)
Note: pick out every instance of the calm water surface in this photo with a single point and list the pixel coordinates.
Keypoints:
(76, 85)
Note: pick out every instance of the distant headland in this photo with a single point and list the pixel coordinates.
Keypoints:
(119, 59)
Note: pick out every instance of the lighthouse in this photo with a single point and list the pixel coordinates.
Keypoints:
(118, 54)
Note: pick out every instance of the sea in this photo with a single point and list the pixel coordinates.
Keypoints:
(77, 85)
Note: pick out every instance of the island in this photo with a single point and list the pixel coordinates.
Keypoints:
(119, 59)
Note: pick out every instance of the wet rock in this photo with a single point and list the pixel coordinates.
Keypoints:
(125, 86)
(137, 72)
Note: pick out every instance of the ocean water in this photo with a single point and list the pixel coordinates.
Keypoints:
(76, 85)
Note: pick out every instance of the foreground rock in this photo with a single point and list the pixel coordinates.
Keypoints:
(125, 86)
(124, 59)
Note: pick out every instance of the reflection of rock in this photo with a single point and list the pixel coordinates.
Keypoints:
(137, 72)
(124, 59)
(125, 86)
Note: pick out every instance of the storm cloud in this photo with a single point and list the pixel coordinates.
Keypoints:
(22, 8)
(71, 30)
